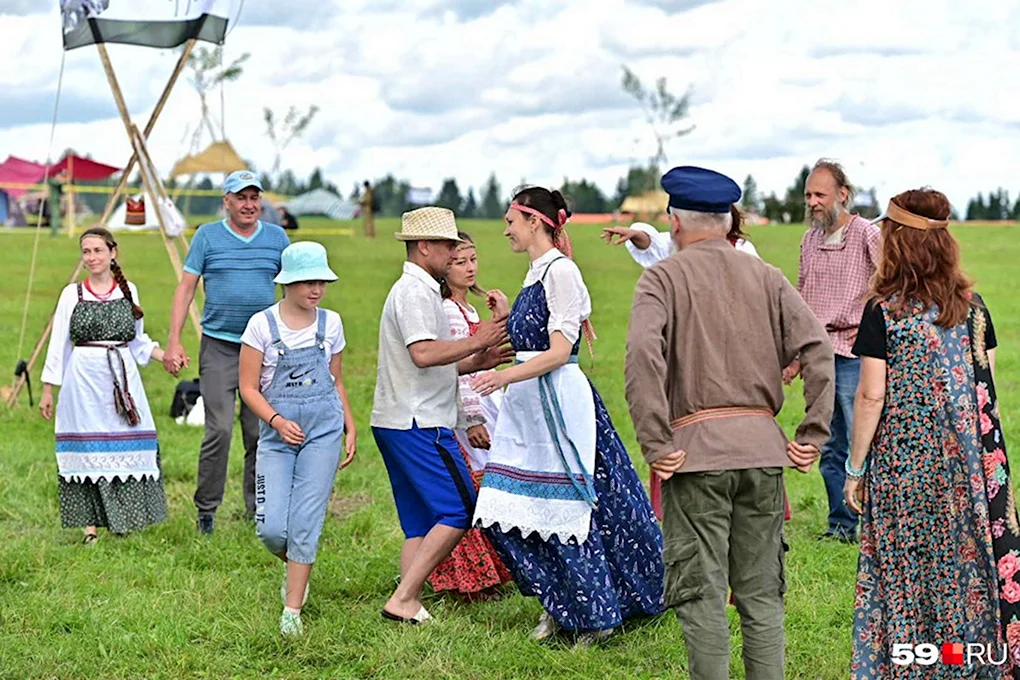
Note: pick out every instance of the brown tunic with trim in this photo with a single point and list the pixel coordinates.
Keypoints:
(712, 327)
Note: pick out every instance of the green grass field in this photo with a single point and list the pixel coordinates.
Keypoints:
(167, 603)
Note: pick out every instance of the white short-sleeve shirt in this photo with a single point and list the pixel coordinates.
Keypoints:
(259, 336)
(405, 393)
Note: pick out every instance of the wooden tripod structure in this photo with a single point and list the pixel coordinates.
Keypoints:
(153, 186)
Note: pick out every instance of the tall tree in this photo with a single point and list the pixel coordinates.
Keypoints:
(638, 181)
(794, 204)
(315, 181)
(492, 202)
(584, 196)
(750, 199)
(976, 208)
(207, 71)
(449, 195)
(470, 207)
(284, 131)
(663, 110)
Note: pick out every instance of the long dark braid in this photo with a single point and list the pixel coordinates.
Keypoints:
(115, 270)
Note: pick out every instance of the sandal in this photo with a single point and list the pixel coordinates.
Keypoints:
(90, 539)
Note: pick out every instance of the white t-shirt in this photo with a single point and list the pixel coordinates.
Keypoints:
(259, 336)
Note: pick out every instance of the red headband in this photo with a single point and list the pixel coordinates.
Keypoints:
(561, 215)
(561, 240)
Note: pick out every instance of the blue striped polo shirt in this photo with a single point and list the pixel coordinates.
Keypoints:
(238, 274)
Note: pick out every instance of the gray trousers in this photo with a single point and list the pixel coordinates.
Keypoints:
(724, 529)
(217, 371)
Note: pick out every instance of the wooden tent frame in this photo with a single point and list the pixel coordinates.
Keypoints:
(153, 186)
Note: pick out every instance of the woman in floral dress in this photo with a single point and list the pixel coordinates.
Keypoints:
(940, 538)
(107, 451)
(473, 569)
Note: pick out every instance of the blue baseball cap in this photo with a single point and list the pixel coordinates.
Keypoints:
(700, 190)
(239, 181)
(304, 261)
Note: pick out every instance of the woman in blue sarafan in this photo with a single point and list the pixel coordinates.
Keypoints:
(560, 499)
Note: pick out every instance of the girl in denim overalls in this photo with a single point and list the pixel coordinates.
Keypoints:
(290, 376)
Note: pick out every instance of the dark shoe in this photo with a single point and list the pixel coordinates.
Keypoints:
(421, 617)
(89, 539)
(842, 537)
(205, 524)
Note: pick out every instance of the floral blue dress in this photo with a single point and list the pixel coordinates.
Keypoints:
(617, 571)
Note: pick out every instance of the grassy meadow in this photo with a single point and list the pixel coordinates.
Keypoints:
(167, 603)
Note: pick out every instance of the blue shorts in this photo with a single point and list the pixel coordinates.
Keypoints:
(430, 479)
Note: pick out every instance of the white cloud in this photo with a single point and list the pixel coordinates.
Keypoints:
(905, 94)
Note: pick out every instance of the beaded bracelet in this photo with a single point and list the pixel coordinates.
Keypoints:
(854, 473)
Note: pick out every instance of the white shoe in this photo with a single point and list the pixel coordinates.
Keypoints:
(283, 589)
(546, 627)
(290, 624)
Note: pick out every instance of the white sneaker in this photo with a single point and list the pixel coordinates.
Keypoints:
(290, 624)
(546, 627)
(283, 589)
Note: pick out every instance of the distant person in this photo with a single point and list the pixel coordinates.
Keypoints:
(287, 220)
(237, 258)
(837, 261)
(369, 207)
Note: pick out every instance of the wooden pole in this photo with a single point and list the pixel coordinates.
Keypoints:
(69, 191)
(181, 63)
(155, 189)
(118, 97)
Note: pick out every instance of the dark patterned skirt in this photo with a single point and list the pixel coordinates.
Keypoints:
(617, 573)
(121, 506)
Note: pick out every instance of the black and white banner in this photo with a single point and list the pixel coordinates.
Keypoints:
(150, 23)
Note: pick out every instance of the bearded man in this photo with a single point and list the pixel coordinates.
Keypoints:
(838, 256)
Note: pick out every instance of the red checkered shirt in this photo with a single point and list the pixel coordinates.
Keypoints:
(834, 278)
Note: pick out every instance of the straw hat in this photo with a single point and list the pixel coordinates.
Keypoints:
(428, 224)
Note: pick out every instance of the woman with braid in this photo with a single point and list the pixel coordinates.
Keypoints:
(108, 469)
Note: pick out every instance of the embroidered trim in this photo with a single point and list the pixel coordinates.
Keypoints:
(722, 412)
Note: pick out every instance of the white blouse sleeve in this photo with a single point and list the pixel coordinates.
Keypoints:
(58, 354)
(567, 298)
(745, 246)
(469, 403)
(141, 347)
(660, 248)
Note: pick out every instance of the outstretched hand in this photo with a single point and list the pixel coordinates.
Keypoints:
(640, 239)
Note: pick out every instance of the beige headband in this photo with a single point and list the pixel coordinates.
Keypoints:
(909, 219)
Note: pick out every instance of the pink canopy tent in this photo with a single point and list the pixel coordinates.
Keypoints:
(16, 170)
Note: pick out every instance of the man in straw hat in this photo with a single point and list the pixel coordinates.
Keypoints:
(417, 406)
(707, 427)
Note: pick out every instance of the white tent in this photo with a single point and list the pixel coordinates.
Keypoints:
(322, 202)
(172, 217)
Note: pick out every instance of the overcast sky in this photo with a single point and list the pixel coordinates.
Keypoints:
(904, 93)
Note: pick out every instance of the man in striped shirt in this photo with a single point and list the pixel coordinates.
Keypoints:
(838, 255)
(237, 258)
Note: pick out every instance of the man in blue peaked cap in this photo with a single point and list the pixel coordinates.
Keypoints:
(711, 329)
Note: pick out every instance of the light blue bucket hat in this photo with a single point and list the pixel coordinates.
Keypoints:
(304, 261)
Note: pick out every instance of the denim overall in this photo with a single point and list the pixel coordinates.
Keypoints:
(293, 483)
